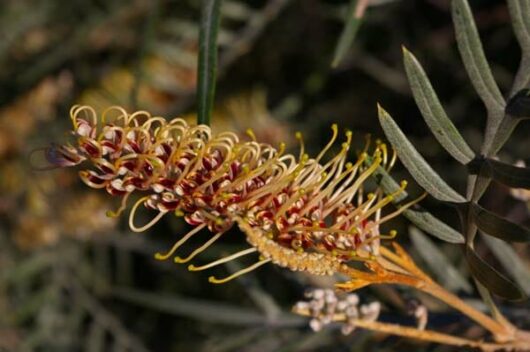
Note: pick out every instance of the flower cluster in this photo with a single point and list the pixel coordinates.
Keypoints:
(308, 214)
(324, 306)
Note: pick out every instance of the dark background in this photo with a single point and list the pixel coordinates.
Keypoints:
(74, 280)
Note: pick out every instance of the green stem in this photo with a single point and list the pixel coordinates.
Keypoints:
(207, 67)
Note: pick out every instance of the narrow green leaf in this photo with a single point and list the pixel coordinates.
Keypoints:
(29, 268)
(433, 112)
(510, 175)
(510, 261)
(201, 309)
(414, 162)
(207, 67)
(494, 281)
(472, 53)
(418, 215)
(351, 27)
(438, 262)
(497, 226)
(519, 105)
(433, 226)
(500, 135)
(507, 174)
(520, 14)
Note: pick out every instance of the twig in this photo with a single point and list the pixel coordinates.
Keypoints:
(384, 272)
(415, 333)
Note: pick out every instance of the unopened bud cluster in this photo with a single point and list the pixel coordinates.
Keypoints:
(324, 306)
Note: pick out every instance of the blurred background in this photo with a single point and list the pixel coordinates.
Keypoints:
(72, 279)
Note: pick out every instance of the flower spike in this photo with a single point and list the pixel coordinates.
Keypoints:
(302, 213)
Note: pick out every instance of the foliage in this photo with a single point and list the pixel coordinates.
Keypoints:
(73, 279)
(501, 122)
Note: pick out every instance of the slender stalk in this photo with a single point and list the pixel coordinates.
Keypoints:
(409, 274)
(415, 333)
(427, 285)
(499, 331)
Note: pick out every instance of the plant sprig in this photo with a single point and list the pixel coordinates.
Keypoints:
(502, 118)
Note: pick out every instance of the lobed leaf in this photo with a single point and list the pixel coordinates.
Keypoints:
(510, 261)
(438, 262)
(472, 53)
(414, 162)
(433, 112)
(207, 66)
(497, 226)
(494, 281)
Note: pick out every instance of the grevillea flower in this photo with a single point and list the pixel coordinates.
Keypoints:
(302, 213)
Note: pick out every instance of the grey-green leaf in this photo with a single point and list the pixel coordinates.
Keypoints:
(472, 53)
(433, 226)
(351, 27)
(433, 112)
(417, 215)
(497, 226)
(520, 15)
(494, 281)
(519, 105)
(414, 162)
(509, 175)
(511, 262)
(438, 262)
(207, 67)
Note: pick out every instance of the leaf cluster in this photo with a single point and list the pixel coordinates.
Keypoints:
(483, 166)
